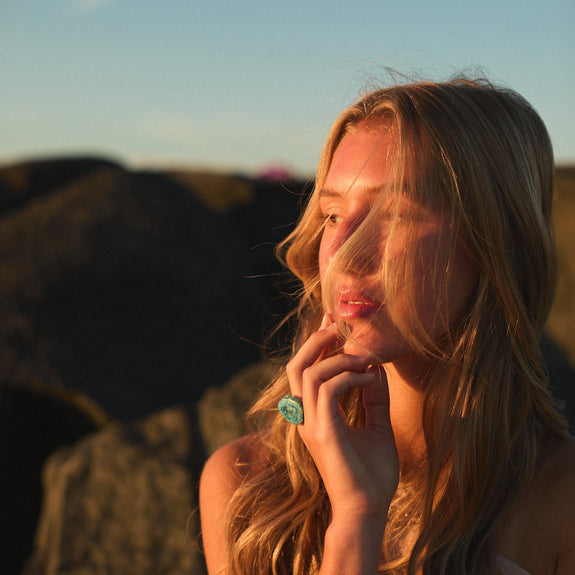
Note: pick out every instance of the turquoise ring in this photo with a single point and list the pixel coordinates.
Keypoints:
(291, 408)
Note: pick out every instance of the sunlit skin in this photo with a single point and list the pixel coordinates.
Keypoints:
(359, 172)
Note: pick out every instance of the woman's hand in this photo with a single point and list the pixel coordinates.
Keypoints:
(359, 466)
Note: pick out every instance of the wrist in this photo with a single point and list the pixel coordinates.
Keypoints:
(361, 517)
(368, 528)
(353, 544)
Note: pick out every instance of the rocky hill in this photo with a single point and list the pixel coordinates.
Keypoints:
(134, 306)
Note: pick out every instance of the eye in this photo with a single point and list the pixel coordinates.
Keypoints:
(399, 216)
(331, 219)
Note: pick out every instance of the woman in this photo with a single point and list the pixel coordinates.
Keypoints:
(415, 432)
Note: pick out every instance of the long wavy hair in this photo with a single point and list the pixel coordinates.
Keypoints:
(484, 153)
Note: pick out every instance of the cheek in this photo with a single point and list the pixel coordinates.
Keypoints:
(324, 258)
(447, 290)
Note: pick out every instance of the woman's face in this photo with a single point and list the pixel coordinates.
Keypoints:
(356, 183)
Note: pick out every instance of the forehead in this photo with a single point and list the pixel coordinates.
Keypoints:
(363, 160)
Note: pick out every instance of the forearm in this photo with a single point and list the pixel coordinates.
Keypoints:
(353, 547)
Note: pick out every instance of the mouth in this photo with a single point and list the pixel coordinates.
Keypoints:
(355, 305)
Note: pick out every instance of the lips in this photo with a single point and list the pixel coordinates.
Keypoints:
(354, 304)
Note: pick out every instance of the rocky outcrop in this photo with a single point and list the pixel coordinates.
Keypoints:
(118, 502)
(221, 410)
(123, 500)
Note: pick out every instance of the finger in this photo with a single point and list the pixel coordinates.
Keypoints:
(320, 372)
(327, 404)
(309, 353)
(326, 322)
(334, 373)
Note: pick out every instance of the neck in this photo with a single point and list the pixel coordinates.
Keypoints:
(406, 396)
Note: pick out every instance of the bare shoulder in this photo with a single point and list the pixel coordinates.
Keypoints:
(227, 466)
(222, 475)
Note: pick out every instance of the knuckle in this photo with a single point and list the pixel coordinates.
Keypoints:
(307, 371)
(290, 368)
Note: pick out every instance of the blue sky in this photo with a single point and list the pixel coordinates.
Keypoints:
(240, 84)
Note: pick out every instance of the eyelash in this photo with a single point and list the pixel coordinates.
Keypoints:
(330, 218)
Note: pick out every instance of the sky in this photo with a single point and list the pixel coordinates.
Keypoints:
(245, 84)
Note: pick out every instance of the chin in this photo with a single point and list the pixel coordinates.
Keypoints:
(355, 347)
(386, 351)
(381, 342)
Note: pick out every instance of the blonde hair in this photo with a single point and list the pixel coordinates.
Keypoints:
(484, 153)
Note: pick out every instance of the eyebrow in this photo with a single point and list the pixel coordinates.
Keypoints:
(333, 193)
(329, 193)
